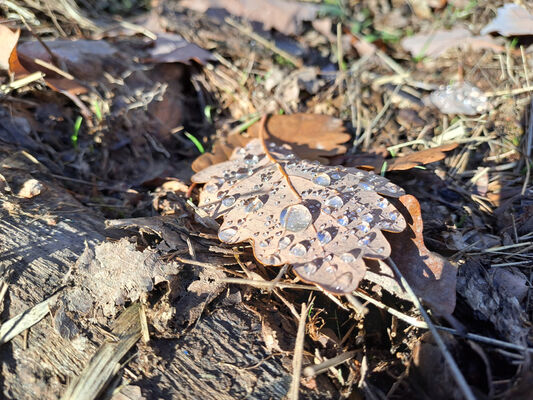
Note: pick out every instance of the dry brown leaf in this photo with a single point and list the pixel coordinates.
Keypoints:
(511, 20)
(8, 41)
(311, 136)
(172, 48)
(285, 16)
(323, 220)
(375, 161)
(437, 43)
(432, 277)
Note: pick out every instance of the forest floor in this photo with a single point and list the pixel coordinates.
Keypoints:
(104, 107)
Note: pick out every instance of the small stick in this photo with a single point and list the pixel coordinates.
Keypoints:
(314, 370)
(456, 372)
(298, 356)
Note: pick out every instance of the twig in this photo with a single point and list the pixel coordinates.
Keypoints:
(298, 356)
(268, 284)
(456, 372)
(314, 370)
(261, 40)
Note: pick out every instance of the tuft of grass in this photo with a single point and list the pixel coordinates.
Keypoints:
(76, 131)
(195, 141)
(97, 110)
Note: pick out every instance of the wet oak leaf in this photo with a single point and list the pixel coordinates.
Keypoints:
(311, 136)
(323, 220)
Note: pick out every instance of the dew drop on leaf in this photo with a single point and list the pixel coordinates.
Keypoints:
(227, 234)
(363, 227)
(348, 258)
(310, 268)
(335, 202)
(296, 218)
(394, 215)
(368, 218)
(366, 241)
(322, 179)
(382, 203)
(251, 159)
(324, 237)
(228, 201)
(211, 188)
(336, 175)
(344, 281)
(254, 205)
(298, 250)
(284, 242)
(344, 220)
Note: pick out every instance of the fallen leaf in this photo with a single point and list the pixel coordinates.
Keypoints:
(172, 48)
(375, 161)
(284, 16)
(323, 220)
(459, 98)
(431, 276)
(418, 158)
(8, 41)
(511, 20)
(437, 43)
(311, 136)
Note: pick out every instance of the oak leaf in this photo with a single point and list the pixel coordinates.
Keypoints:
(311, 136)
(323, 220)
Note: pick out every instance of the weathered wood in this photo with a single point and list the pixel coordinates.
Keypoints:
(221, 357)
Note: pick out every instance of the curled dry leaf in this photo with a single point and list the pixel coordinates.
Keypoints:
(323, 220)
(432, 277)
(375, 161)
(311, 136)
(511, 20)
(285, 16)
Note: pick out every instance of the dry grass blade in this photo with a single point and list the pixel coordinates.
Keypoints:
(322, 220)
(25, 320)
(105, 363)
(298, 355)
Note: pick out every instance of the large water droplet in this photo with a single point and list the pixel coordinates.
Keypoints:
(324, 237)
(225, 235)
(364, 241)
(298, 250)
(382, 203)
(284, 242)
(344, 281)
(344, 220)
(336, 175)
(348, 258)
(251, 159)
(254, 205)
(363, 227)
(296, 218)
(368, 218)
(310, 268)
(228, 201)
(211, 188)
(335, 202)
(322, 179)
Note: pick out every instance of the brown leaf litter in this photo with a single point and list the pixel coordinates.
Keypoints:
(311, 136)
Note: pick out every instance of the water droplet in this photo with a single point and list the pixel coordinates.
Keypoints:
(322, 179)
(336, 175)
(368, 218)
(267, 223)
(240, 151)
(225, 235)
(328, 258)
(251, 159)
(284, 242)
(393, 215)
(335, 202)
(380, 250)
(344, 220)
(264, 243)
(365, 241)
(330, 269)
(254, 205)
(296, 218)
(365, 186)
(391, 187)
(221, 194)
(363, 227)
(210, 188)
(324, 237)
(272, 260)
(298, 250)
(310, 268)
(327, 210)
(348, 258)
(382, 203)
(344, 281)
(228, 201)
(240, 222)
